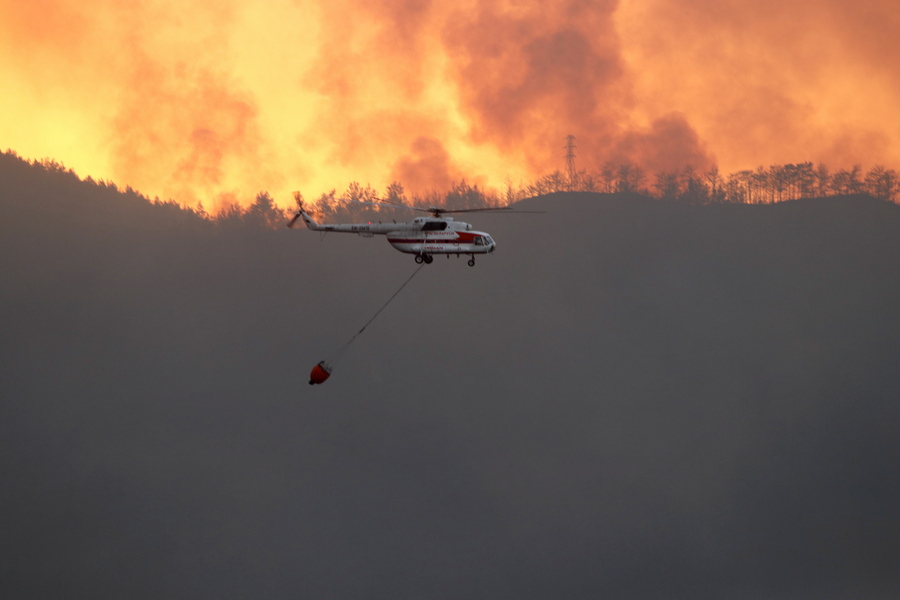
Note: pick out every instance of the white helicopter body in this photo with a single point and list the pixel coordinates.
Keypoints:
(422, 237)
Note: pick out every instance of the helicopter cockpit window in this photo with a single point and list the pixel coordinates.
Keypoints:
(479, 240)
(434, 226)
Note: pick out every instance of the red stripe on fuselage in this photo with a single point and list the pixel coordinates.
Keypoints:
(462, 237)
(428, 241)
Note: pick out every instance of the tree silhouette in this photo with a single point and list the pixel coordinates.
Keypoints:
(667, 185)
(630, 178)
(395, 193)
(762, 185)
(882, 183)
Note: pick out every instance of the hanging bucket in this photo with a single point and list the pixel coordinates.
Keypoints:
(319, 373)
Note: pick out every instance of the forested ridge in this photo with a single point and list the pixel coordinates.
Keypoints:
(763, 185)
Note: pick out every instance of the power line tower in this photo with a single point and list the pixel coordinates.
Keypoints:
(570, 161)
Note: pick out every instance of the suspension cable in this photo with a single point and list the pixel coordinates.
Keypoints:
(340, 351)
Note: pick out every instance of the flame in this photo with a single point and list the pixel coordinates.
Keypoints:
(214, 102)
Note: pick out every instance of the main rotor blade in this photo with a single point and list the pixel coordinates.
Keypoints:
(503, 209)
(437, 211)
(382, 203)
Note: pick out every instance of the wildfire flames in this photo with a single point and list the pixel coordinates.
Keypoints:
(215, 102)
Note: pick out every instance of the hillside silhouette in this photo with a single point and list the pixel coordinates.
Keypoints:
(631, 398)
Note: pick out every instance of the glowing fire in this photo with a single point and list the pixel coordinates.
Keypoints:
(214, 102)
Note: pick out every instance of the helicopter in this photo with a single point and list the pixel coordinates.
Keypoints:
(423, 236)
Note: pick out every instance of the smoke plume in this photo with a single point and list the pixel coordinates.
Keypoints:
(215, 103)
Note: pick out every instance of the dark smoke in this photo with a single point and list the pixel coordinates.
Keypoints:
(631, 398)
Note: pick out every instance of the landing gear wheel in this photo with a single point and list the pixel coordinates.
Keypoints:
(419, 259)
(428, 259)
(472, 262)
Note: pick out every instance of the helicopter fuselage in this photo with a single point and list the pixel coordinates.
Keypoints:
(423, 236)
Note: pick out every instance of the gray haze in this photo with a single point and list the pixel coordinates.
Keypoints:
(630, 399)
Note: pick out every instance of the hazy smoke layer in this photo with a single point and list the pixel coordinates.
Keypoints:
(630, 399)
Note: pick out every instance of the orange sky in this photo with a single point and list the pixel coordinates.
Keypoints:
(216, 101)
